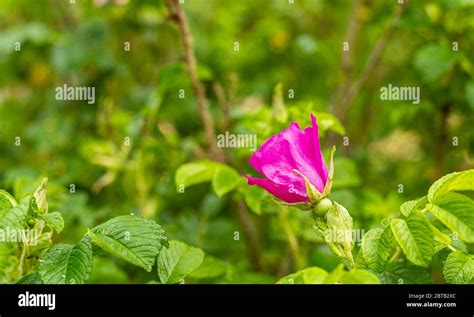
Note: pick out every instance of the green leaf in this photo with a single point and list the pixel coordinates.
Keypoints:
(403, 272)
(195, 173)
(40, 197)
(254, 197)
(335, 276)
(377, 246)
(54, 220)
(458, 268)
(458, 181)
(415, 238)
(14, 218)
(33, 278)
(456, 211)
(177, 261)
(339, 228)
(6, 200)
(434, 54)
(131, 238)
(9, 258)
(412, 205)
(210, 268)
(442, 240)
(311, 275)
(67, 264)
(328, 121)
(224, 180)
(359, 276)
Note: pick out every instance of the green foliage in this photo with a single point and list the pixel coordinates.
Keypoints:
(359, 276)
(134, 239)
(403, 272)
(67, 264)
(456, 211)
(130, 238)
(458, 268)
(312, 275)
(224, 180)
(415, 237)
(420, 237)
(177, 261)
(143, 148)
(377, 246)
(195, 173)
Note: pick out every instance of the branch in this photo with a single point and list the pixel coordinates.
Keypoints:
(372, 61)
(177, 15)
(347, 57)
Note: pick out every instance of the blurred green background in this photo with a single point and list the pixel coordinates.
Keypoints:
(93, 176)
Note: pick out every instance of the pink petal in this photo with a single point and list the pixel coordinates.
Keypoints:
(289, 150)
(279, 191)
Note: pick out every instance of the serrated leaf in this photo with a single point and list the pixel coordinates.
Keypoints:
(413, 205)
(67, 264)
(403, 272)
(54, 220)
(131, 238)
(6, 200)
(458, 181)
(359, 276)
(442, 240)
(224, 180)
(311, 275)
(456, 211)
(33, 278)
(177, 261)
(415, 237)
(195, 173)
(13, 218)
(377, 246)
(458, 268)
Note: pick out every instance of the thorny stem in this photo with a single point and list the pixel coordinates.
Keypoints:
(372, 61)
(177, 14)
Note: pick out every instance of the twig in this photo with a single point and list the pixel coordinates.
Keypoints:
(372, 61)
(177, 15)
(347, 57)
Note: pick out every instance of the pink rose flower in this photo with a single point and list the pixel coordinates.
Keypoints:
(293, 166)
